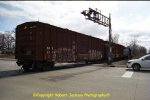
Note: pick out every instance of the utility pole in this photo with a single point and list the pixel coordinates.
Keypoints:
(110, 40)
(97, 17)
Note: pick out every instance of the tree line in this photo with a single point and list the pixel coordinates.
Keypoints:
(136, 49)
(7, 42)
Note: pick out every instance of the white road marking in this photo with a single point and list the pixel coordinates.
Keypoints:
(127, 74)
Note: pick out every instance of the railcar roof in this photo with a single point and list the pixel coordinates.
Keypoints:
(38, 22)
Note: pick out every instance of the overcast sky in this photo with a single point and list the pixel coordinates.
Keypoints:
(129, 18)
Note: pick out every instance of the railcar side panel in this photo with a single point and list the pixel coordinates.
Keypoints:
(41, 42)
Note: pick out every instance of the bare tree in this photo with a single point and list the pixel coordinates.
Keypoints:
(137, 50)
(142, 50)
(7, 41)
(2, 43)
(115, 38)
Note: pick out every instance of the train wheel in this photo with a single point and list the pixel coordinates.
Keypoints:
(35, 67)
(26, 68)
(51, 65)
(44, 68)
(48, 66)
(86, 62)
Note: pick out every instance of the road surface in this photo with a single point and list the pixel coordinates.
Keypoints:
(73, 82)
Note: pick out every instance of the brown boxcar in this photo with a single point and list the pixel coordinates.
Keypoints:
(117, 51)
(39, 45)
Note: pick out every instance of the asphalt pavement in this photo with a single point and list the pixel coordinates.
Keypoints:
(73, 82)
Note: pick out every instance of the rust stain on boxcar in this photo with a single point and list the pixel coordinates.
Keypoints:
(39, 41)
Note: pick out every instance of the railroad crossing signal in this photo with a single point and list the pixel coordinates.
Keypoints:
(97, 17)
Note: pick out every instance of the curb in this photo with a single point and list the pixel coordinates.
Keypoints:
(113, 65)
(118, 66)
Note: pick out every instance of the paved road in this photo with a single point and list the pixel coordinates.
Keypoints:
(83, 82)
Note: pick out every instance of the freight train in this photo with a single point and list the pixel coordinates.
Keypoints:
(39, 45)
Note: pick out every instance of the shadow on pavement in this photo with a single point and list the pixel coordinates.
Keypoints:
(141, 71)
(17, 72)
(144, 71)
(129, 69)
(8, 73)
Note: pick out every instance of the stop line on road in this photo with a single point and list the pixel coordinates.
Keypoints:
(127, 74)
